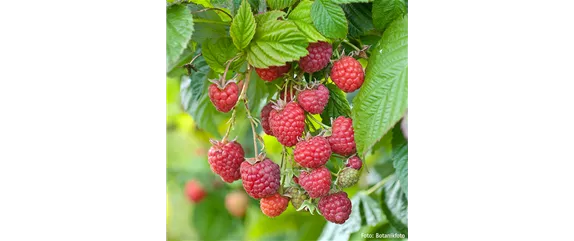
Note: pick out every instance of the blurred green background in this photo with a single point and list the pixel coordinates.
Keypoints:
(187, 147)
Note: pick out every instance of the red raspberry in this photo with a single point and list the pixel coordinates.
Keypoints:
(260, 179)
(295, 179)
(348, 74)
(224, 99)
(287, 124)
(273, 72)
(225, 159)
(318, 57)
(336, 207)
(265, 118)
(312, 153)
(342, 139)
(274, 205)
(354, 162)
(317, 183)
(289, 97)
(314, 100)
(194, 191)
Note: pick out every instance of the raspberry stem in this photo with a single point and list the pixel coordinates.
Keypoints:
(352, 45)
(249, 116)
(318, 122)
(378, 185)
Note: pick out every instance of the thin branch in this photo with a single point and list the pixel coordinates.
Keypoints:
(216, 9)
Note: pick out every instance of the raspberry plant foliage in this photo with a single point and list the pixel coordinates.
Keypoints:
(218, 42)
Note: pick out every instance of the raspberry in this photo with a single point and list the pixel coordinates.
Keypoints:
(312, 153)
(347, 73)
(224, 99)
(236, 203)
(297, 197)
(314, 100)
(274, 205)
(225, 159)
(194, 191)
(289, 97)
(336, 207)
(273, 72)
(317, 183)
(287, 124)
(342, 139)
(354, 162)
(295, 179)
(318, 57)
(260, 179)
(265, 118)
(348, 177)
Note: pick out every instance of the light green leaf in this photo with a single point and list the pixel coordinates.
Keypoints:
(178, 29)
(218, 51)
(280, 4)
(395, 205)
(207, 25)
(371, 209)
(268, 16)
(401, 158)
(329, 19)
(275, 43)
(382, 100)
(337, 105)
(350, 1)
(385, 11)
(301, 16)
(243, 26)
(359, 16)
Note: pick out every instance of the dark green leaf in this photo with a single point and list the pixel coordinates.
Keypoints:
(280, 4)
(268, 16)
(329, 19)
(243, 26)
(236, 3)
(178, 29)
(258, 92)
(401, 158)
(386, 11)
(207, 24)
(382, 100)
(349, 1)
(301, 16)
(337, 105)
(218, 51)
(360, 19)
(395, 205)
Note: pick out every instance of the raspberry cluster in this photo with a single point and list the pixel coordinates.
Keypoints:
(303, 178)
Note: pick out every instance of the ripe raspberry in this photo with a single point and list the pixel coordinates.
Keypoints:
(225, 159)
(317, 183)
(224, 99)
(347, 73)
(342, 139)
(336, 207)
(314, 100)
(318, 57)
(348, 177)
(288, 123)
(312, 153)
(273, 205)
(260, 179)
(295, 179)
(236, 203)
(354, 162)
(194, 191)
(289, 97)
(297, 197)
(273, 72)
(265, 118)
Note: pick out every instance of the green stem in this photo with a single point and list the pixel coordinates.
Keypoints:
(352, 45)
(199, 20)
(216, 9)
(378, 185)
(317, 121)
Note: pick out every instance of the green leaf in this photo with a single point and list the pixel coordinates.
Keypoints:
(382, 100)
(268, 16)
(401, 158)
(371, 209)
(178, 29)
(337, 105)
(243, 26)
(395, 205)
(329, 19)
(275, 43)
(207, 25)
(280, 4)
(194, 98)
(349, 1)
(258, 92)
(237, 3)
(360, 19)
(386, 11)
(301, 16)
(218, 51)
(209, 215)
